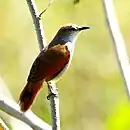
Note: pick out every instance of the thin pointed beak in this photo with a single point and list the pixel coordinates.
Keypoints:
(83, 28)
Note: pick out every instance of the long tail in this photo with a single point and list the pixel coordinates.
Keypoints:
(28, 95)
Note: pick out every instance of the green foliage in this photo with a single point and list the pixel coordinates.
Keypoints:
(120, 117)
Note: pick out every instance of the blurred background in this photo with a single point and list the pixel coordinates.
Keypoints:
(92, 93)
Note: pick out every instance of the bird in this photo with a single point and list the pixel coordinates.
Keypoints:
(51, 63)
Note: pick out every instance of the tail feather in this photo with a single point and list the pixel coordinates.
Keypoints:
(28, 95)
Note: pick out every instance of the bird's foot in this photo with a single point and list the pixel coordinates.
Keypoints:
(53, 92)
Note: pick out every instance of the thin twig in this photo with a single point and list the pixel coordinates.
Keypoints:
(54, 100)
(50, 3)
(119, 43)
(3, 125)
(10, 107)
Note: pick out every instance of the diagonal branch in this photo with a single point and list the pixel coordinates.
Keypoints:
(3, 125)
(10, 107)
(12, 121)
(54, 100)
(119, 43)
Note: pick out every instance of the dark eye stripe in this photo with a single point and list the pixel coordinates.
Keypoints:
(72, 29)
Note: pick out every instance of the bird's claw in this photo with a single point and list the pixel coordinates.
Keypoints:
(50, 95)
(53, 93)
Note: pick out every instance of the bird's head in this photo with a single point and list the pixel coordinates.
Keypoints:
(69, 33)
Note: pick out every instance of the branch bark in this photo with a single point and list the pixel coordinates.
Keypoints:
(3, 125)
(37, 24)
(54, 100)
(12, 121)
(11, 108)
(119, 43)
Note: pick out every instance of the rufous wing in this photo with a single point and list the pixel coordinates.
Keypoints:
(49, 63)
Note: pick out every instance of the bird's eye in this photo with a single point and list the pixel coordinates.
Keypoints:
(73, 29)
